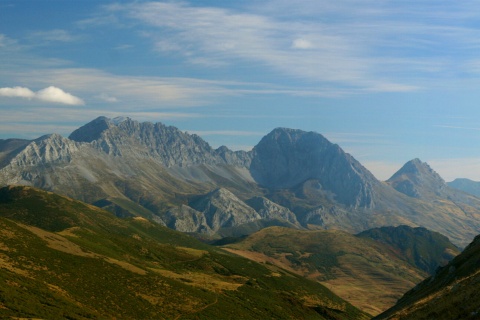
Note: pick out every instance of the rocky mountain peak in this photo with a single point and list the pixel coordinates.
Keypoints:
(49, 148)
(416, 179)
(286, 157)
(92, 130)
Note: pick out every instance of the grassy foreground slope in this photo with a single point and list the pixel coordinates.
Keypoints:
(369, 274)
(452, 293)
(63, 259)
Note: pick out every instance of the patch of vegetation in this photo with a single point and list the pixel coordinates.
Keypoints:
(84, 263)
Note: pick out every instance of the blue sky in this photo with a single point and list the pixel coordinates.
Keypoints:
(388, 81)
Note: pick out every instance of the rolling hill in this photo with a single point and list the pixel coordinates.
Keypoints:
(451, 293)
(363, 269)
(64, 259)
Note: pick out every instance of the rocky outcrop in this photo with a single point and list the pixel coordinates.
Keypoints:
(186, 219)
(269, 210)
(222, 209)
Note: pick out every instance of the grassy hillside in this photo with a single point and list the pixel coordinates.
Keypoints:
(420, 247)
(63, 259)
(363, 271)
(452, 293)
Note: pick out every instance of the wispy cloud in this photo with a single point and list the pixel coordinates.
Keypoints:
(50, 94)
(458, 127)
(52, 36)
(356, 46)
(220, 36)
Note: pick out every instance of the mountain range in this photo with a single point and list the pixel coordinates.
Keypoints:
(306, 214)
(290, 178)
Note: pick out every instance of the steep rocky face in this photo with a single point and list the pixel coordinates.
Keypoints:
(286, 157)
(45, 152)
(47, 149)
(270, 210)
(10, 148)
(222, 209)
(92, 130)
(416, 179)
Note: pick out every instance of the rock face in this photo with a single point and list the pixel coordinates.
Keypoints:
(416, 179)
(186, 219)
(222, 209)
(286, 157)
(269, 210)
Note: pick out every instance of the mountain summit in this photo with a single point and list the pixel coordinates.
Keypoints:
(416, 179)
(286, 157)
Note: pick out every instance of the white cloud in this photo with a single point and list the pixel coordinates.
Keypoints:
(17, 92)
(301, 44)
(50, 94)
(57, 95)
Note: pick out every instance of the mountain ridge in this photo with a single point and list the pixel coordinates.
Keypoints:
(150, 169)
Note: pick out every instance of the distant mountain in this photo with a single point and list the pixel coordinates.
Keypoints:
(466, 185)
(416, 179)
(425, 249)
(285, 158)
(451, 293)
(371, 270)
(64, 259)
(159, 172)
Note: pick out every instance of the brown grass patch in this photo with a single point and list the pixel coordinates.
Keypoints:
(125, 265)
(70, 232)
(6, 263)
(57, 242)
(213, 283)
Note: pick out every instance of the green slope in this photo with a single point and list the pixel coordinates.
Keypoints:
(63, 259)
(420, 247)
(452, 293)
(367, 273)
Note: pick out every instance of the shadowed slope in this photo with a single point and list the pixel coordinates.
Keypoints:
(452, 293)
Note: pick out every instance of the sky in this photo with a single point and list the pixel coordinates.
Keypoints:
(388, 81)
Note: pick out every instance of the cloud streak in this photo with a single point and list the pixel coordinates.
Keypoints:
(356, 46)
(219, 37)
(49, 94)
